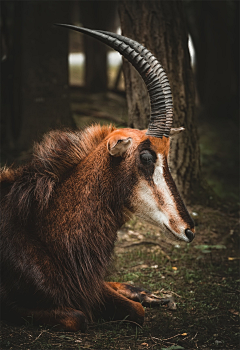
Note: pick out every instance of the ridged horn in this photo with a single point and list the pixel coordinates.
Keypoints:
(150, 70)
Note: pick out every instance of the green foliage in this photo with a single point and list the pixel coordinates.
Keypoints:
(205, 248)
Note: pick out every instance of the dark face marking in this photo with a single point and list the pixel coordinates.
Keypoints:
(146, 159)
(146, 165)
(177, 198)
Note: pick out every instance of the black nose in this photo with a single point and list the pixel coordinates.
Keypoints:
(190, 235)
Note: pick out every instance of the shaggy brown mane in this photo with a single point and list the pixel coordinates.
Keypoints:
(52, 158)
(60, 150)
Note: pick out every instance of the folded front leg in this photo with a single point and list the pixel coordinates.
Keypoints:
(68, 319)
(143, 296)
(117, 307)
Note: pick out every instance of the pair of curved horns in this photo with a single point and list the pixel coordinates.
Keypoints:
(150, 70)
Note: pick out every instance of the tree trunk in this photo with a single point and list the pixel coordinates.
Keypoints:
(97, 15)
(39, 97)
(160, 26)
(214, 28)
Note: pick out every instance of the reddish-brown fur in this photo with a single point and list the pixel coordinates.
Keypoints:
(60, 215)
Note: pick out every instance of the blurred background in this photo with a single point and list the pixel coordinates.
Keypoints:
(55, 78)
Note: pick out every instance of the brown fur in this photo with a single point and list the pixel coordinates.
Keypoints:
(60, 215)
(52, 158)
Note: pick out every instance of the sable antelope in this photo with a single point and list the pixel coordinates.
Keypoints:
(61, 212)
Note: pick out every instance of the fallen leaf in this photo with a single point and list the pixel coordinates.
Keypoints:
(66, 337)
(174, 268)
(234, 312)
(172, 305)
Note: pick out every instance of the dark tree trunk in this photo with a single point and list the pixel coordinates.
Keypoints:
(97, 15)
(38, 65)
(214, 28)
(160, 26)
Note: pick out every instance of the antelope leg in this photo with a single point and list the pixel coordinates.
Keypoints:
(67, 319)
(116, 306)
(143, 296)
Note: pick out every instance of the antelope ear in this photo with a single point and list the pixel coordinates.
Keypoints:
(117, 146)
(175, 131)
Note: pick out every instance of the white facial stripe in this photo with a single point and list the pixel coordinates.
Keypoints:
(151, 210)
(147, 207)
(158, 178)
(161, 184)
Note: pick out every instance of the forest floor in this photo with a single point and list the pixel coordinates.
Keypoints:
(202, 277)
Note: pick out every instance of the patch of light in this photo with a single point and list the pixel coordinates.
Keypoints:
(191, 50)
(76, 59)
(114, 58)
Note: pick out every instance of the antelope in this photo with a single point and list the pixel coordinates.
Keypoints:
(61, 211)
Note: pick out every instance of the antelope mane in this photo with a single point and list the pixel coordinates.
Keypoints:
(57, 154)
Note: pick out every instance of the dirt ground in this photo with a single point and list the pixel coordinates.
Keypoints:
(202, 277)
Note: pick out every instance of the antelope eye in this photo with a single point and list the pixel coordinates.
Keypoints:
(146, 157)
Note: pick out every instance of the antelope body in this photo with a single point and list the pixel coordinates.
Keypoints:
(61, 213)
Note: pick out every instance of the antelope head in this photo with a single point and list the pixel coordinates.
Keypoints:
(154, 195)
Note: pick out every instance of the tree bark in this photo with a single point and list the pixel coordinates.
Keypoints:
(97, 15)
(38, 64)
(214, 28)
(160, 26)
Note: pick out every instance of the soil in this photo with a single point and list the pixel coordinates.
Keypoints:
(202, 277)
